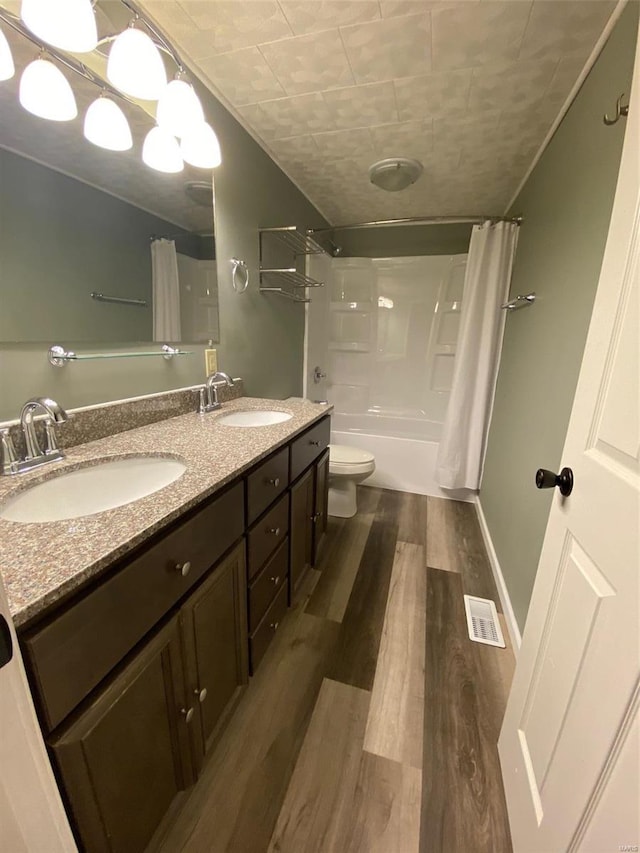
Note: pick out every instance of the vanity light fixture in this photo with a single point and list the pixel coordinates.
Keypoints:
(67, 24)
(200, 147)
(135, 66)
(179, 108)
(161, 151)
(106, 125)
(7, 68)
(45, 91)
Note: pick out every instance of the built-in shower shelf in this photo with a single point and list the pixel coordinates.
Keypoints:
(298, 241)
(349, 346)
(362, 307)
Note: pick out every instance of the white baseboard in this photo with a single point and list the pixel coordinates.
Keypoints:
(509, 615)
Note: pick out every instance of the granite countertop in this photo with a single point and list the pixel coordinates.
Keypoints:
(43, 563)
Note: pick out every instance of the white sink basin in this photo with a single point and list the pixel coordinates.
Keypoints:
(254, 419)
(95, 488)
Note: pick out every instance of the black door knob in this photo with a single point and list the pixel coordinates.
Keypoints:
(548, 480)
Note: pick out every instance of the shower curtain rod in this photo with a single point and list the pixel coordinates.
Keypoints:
(417, 220)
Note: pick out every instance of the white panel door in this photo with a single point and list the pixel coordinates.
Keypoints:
(569, 742)
(32, 818)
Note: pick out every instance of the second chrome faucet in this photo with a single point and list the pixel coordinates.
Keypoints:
(209, 393)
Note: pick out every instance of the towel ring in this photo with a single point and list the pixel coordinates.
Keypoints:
(239, 275)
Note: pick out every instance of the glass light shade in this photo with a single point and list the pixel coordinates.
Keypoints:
(7, 68)
(136, 67)
(161, 151)
(179, 108)
(106, 126)
(200, 147)
(67, 24)
(45, 92)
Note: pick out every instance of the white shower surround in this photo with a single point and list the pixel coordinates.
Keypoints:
(388, 370)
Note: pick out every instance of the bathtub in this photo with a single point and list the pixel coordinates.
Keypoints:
(405, 449)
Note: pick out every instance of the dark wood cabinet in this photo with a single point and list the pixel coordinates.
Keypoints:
(127, 756)
(135, 678)
(214, 626)
(321, 500)
(301, 535)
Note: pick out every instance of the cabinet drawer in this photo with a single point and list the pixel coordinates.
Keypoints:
(266, 630)
(74, 652)
(267, 583)
(268, 481)
(309, 446)
(267, 533)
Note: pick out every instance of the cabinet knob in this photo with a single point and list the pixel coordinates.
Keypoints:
(274, 530)
(316, 517)
(184, 568)
(314, 443)
(274, 626)
(274, 481)
(201, 694)
(275, 581)
(187, 713)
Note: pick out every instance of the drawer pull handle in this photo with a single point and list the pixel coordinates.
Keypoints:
(274, 481)
(275, 581)
(274, 530)
(184, 568)
(201, 694)
(274, 626)
(187, 713)
(314, 443)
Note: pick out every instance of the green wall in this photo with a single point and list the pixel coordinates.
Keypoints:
(86, 240)
(566, 205)
(261, 336)
(404, 241)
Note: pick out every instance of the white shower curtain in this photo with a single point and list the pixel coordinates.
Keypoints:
(486, 287)
(166, 291)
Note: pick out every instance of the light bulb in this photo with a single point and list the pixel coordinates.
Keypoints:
(7, 68)
(200, 147)
(45, 92)
(106, 125)
(67, 24)
(135, 66)
(161, 151)
(179, 108)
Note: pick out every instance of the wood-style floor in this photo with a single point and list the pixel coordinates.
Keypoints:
(372, 722)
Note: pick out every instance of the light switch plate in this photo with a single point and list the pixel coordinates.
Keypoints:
(210, 361)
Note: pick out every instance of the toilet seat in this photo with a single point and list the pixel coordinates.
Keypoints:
(350, 461)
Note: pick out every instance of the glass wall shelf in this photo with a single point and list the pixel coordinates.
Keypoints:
(59, 356)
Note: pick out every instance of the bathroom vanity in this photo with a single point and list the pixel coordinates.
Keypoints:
(138, 658)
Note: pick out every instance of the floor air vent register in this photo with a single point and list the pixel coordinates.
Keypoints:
(482, 621)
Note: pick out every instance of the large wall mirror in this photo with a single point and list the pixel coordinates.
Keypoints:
(78, 224)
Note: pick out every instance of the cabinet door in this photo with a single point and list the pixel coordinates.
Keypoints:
(126, 756)
(214, 621)
(301, 527)
(321, 500)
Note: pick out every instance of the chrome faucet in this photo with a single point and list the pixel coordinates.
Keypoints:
(209, 394)
(34, 456)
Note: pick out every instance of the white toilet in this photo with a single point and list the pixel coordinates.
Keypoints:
(348, 466)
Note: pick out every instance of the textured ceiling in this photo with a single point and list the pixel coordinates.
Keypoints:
(329, 86)
(62, 146)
